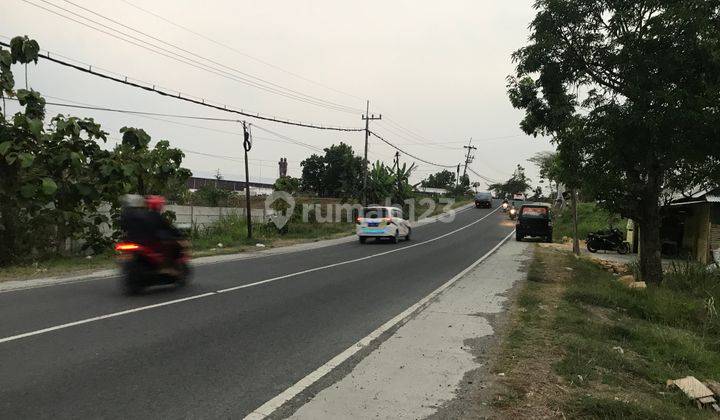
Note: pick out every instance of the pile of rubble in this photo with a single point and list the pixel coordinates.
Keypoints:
(613, 267)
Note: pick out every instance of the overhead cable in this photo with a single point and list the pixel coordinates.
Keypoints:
(179, 96)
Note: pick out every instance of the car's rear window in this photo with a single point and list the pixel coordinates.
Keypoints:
(375, 212)
(534, 211)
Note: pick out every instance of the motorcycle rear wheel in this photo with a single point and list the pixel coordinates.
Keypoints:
(623, 248)
(131, 280)
(184, 278)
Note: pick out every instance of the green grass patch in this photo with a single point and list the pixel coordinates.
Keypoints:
(57, 266)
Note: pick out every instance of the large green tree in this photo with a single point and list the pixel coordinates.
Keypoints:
(56, 179)
(338, 173)
(518, 183)
(629, 92)
(443, 179)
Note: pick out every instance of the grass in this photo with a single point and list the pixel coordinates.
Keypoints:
(57, 266)
(593, 348)
(231, 232)
(591, 218)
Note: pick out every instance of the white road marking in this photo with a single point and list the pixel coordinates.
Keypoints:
(98, 318)
(230, 289)
(269, 407)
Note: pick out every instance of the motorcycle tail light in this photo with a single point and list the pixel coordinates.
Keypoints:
(126, 246)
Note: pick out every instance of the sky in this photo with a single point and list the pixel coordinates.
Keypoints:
(436, 71)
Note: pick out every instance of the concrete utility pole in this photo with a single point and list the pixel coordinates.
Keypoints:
(247, 145)
(468, 158)
(367, 117)
(397, 171)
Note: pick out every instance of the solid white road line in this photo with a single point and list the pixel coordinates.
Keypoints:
(230, 289)
(269, 407)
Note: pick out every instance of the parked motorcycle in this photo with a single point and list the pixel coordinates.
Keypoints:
(608, 240)
(144, 266)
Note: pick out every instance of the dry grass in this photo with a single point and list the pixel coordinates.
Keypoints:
(583, 346)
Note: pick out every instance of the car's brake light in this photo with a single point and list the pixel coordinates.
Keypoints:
(358, 220)
(126, 246)
(388, 219)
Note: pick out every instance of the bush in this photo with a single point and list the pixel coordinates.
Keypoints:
(693, 278)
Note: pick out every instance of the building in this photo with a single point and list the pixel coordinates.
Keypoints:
(256, 188)
(691, 227)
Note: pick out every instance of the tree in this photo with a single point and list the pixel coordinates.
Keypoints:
(443, 179)
(150, 171)
(386, 182)
(311, 179)
(518, 183)
(287, 183)
(650, 73)
(336, 174)
(55, 178)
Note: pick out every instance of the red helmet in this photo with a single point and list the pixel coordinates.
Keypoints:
(155, 203)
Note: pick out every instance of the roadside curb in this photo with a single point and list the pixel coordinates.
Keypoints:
(17, 285)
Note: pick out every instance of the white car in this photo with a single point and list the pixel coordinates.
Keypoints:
(382, 222)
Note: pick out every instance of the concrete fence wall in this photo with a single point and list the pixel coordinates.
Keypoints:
(204, 216)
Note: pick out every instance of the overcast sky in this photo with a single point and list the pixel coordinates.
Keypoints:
(436, 69)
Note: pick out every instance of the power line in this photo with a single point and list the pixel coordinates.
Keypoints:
(153, 116)
(228, 47)
(351, 109)
(409, 154)
(201, 102)
(484, 178)
(202, 65)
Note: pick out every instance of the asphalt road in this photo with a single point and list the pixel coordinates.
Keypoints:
(223, 354)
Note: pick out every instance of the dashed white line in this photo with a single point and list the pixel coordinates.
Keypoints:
(230, 289)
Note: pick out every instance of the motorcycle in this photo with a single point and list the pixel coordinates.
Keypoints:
(160, 264)
(512, 213)
(609, 240)
(505, 206)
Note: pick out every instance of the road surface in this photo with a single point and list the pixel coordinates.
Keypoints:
(246, 331)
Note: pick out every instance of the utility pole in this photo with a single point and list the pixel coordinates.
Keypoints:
(247, 145)
(397, 171)
(468, 158)
(367, 117)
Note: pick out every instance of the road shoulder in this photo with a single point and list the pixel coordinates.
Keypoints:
(422, 368)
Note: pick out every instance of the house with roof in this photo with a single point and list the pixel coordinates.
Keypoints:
(691, 227)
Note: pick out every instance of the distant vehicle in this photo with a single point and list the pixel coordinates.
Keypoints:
(382, 222)
(483, 199)
(517, 201)
(512, 213)
(534, 219)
